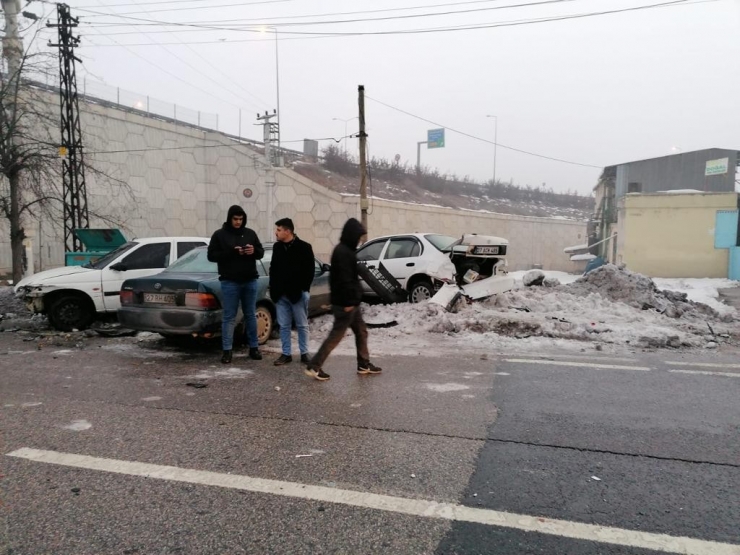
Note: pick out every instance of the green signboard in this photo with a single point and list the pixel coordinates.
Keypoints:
(717, 167)
(436, 138)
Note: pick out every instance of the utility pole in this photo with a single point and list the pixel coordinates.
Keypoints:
(270, 138)
(363, 158)
(73, 161)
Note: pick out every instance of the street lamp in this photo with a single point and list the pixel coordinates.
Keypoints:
(345, 130)
(495, 141)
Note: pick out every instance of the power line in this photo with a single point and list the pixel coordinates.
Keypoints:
(262, 104)
(481, 138)
(128, 5)
(385, 18)
(330, 14)
(671, 3)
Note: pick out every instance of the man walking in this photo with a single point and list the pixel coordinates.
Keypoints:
(291, 274)
(346, 294)
(236, 249)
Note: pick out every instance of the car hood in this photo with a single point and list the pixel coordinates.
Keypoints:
(56, 276)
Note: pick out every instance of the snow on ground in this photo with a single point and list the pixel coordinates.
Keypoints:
(610, 310)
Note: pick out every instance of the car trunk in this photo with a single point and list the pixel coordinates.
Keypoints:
(165, 291)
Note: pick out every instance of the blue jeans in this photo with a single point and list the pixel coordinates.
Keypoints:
(286, 313)
(234, 293)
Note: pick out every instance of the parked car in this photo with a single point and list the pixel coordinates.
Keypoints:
(186, 298)
(422, 262)
(73, 296)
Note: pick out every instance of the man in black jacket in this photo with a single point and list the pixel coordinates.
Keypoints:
(236, 249)
(346, 295)
(291, 274)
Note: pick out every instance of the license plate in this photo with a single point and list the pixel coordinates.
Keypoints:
(159, 298)
(485, 250)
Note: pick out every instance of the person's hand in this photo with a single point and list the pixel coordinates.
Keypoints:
(249, 249)
(349, 308)
(239, 250)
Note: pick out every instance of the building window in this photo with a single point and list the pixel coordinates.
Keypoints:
(634, 187)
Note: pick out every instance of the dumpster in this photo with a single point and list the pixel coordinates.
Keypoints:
(97, 242)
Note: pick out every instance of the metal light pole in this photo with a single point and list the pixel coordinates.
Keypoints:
(495, 144)
(277, 83)
(346, 121)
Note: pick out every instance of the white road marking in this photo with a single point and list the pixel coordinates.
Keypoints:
(446, 387)
(702, 364)
(149, 399)
(578, 364)
(78, 425)
(707, 373)
(574, 357)
(414, 507)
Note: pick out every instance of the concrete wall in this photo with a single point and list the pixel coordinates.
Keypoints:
(672, 235)
(169, 179)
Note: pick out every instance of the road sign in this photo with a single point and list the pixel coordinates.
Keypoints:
(436, 138)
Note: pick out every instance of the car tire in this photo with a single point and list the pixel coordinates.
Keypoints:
(421, 291)
(265, 324)
(70, 312)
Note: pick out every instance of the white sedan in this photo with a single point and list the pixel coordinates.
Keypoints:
(422, 262)
(73, 296)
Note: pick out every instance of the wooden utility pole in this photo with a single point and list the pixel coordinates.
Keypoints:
(363, 159)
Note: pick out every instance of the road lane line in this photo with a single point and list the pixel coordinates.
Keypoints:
(578, 364)
(702, 364)
(413, 507)
(706, 373)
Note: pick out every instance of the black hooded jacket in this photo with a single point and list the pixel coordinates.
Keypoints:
(291, 269)
(343, 279)
(233, 266)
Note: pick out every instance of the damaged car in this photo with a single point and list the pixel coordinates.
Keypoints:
(74, 296)
(421, 263)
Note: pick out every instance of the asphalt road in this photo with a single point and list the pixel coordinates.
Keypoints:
(107, 449)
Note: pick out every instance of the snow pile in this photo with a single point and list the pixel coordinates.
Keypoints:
(609, 308)
(639, 291)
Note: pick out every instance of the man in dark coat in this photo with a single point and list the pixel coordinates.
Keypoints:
(291, 274)
(346, 295)
(236, 248)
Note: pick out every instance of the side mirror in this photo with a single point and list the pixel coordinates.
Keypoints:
(118, 267)
(325, 268)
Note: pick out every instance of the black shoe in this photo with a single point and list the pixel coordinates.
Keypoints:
(284, 359)
(368, 367)
(316, 373)
(226, 357)
(305, 359)
(254, 353)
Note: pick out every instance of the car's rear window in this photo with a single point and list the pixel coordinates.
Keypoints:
(440, 242)
(194, 262)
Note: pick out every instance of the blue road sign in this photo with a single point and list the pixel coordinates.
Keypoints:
(436, 138)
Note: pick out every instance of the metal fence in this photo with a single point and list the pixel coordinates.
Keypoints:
(145, 103)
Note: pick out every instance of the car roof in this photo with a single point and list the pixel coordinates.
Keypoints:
(146, 240)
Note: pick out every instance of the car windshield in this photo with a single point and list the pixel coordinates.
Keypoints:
(440, 242)
(194, 262)
(103, 261)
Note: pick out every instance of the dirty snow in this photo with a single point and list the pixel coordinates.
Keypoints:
(609, 309)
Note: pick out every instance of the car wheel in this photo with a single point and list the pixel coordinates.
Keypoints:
(265, 324)
(71, 312)
(421, 291)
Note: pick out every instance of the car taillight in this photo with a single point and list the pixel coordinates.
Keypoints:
(128, 297)
(201, 300)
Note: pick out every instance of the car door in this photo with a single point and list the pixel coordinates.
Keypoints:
(370, 253)
(146, 260)
(401, 257)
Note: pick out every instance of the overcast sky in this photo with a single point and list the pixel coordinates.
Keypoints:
(595, 90)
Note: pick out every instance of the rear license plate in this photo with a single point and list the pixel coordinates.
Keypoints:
(485, 250)
(159, 298)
